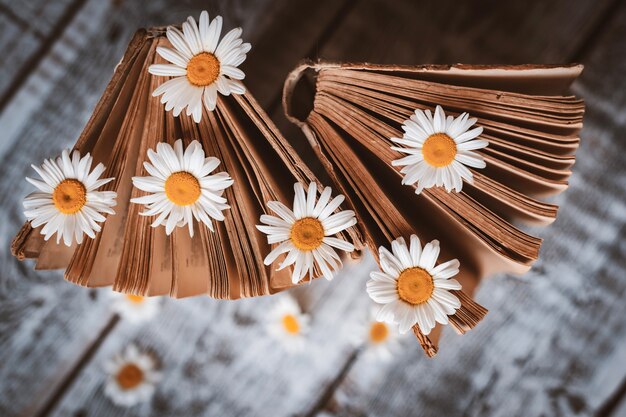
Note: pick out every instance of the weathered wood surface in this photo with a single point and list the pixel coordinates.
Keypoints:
(553, 343)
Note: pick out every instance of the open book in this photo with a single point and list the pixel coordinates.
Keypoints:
(136, 258)
(531, 125)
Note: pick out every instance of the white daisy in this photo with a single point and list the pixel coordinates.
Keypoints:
(379, 339)
(131, 377)
(135, 308)
(67, 202)
(201, 64)
(306, 232)
(181, 188)
(412, 289)
(439, 149)
(288, 324)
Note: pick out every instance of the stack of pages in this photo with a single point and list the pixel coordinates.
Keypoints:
(136, 258)
(531, 126)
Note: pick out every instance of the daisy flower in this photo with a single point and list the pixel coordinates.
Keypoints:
(135, 308)
(131, 377)
(379, 339)
(67, 202)
(305, 232)
(439, 150)
(201, 64)
(411, 288)
(288, 324)
(181, 188)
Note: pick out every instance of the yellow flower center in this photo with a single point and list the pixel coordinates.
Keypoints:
(378, 332)
(182, 188)
(203, 69)
(290, 323)
(439, 150)
(69, 196)
(135, 299)
(307, 234)
(415, 285)
(129, 376)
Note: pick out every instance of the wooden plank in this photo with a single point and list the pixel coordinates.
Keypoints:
(37, 16)
(17, 45)
(39, 25)
(47, 324)
(218, 359)
(553, 343)
(481, 32)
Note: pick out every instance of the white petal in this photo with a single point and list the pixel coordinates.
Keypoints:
(471, 159)
(282, 248)
(446, 298)
(415, 250)
(192, 35)
(226, 42)
(446, 269)
(339, 244)
(331, 207)
(172, 56)
(233, 72)
(382, 291)
(177, 39)
(402, 253)
(166, 70)
(215, 29)
(338, 222)
(236, 86)
(310, 199)
(447, 284)
(470, 134)
(322, 202)
(319, 260)
(439, 121)
(471, 145)
(274, 221)
(210, 97)
(430, 253)
(282, 210)
(299, 201)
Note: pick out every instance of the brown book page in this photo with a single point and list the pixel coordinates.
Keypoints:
(533, 132)
(60, 257)
(466, 210)
(541, 80)
(144, 268)
(96, 261)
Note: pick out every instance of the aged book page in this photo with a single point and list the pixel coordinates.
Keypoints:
(136, 258)
(532, 129)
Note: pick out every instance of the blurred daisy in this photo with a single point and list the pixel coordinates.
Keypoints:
(181, 188)
(201, 64)
(287, 323)
(439, 150)
(411, 288)
(379, 339)
(67, 202)
(305, 232)
(135, 308)
(132, 377)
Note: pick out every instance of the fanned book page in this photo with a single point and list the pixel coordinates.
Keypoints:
(369, 125)
(136, 258)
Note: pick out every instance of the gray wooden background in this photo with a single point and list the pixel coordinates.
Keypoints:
(554, 343)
